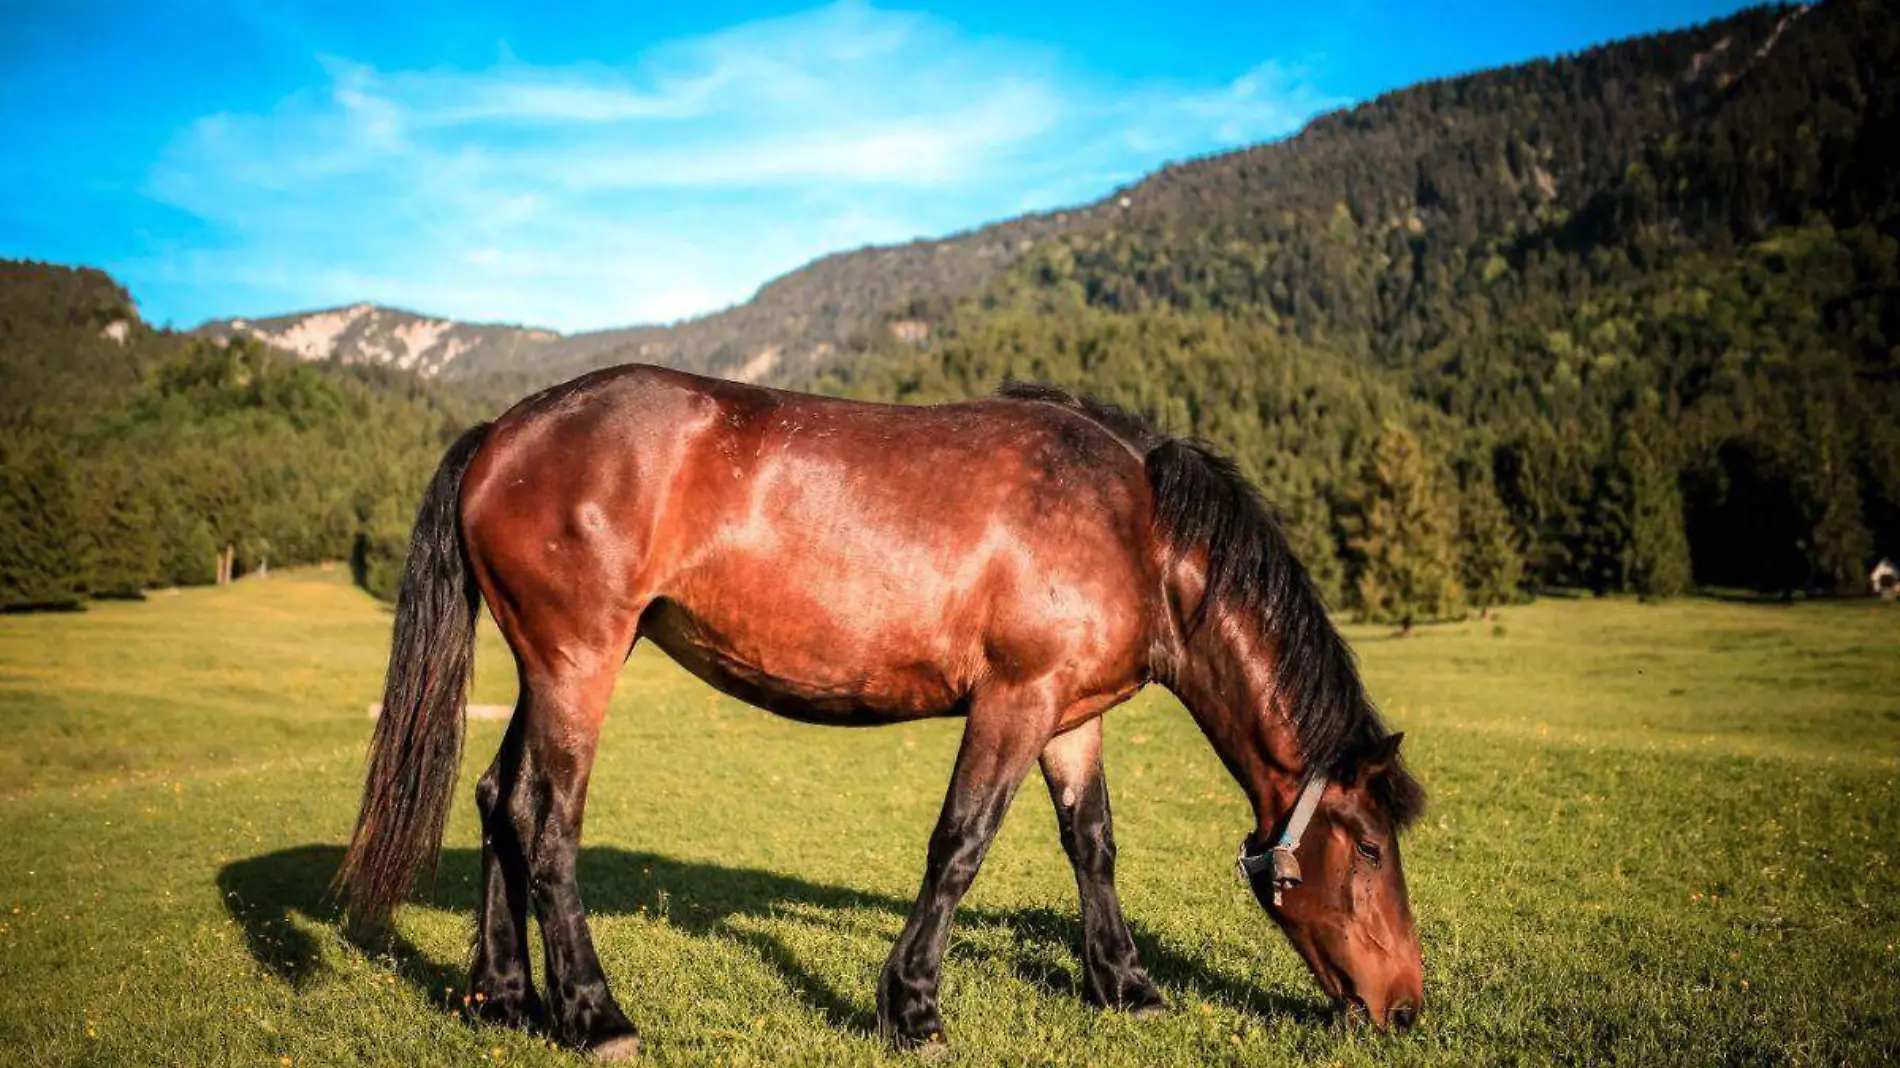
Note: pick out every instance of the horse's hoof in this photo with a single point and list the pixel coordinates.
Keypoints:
(1146, 1002)
(928, 1041)
(518, 1012)
(622, 1050)
(1139, 998)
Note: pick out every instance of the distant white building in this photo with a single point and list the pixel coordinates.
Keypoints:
(1885, 580)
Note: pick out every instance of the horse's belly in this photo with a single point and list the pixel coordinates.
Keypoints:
(803, 668)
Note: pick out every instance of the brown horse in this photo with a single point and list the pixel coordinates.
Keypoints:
(1026, 562)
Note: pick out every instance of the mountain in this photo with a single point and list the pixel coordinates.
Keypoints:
(370, 334)
(829, 309)
(1356, 207)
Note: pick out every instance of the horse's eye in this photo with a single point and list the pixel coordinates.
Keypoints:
(1370, 852)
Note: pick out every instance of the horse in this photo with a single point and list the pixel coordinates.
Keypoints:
(1025, 561)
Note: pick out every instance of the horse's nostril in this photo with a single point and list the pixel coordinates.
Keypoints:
(1402, 1016)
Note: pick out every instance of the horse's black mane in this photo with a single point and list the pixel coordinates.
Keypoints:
(1203, 501)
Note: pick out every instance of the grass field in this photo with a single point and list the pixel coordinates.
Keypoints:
(1658, 834)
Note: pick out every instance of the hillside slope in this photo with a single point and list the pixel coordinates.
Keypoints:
(1645, 300)
(70, 340)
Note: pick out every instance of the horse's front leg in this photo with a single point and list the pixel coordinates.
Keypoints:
(1112, 975)
(1001, 740)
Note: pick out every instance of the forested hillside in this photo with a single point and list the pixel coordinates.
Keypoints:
(70, 340)
(1638, 309)
(1627, 320)
(133, 457)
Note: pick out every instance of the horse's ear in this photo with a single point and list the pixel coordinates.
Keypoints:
(1380, 758)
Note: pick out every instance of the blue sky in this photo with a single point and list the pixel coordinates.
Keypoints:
(604, 165)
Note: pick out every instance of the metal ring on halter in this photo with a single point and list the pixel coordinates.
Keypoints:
(1281, 860)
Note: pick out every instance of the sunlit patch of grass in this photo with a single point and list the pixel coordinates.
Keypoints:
(1660, 834)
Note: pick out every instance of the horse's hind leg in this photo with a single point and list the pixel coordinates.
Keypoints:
(1001, 740)
(500, 983)
(563, 714)
(1112, 975)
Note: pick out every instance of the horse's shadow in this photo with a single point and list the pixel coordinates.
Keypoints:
(265, 893)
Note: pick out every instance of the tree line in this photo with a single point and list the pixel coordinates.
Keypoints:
(195, 461)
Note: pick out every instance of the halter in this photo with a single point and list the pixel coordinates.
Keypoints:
(1280, 859)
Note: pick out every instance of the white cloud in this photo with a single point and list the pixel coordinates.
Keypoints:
(586, 195)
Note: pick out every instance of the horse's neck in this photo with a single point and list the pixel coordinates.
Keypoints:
(1227, 681)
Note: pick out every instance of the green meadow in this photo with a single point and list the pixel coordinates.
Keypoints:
(1658, 834)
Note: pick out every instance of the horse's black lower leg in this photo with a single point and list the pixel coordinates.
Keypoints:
(907, 1011)
(500, 981)
(995, 755)
(546, 809)
(1112, 975)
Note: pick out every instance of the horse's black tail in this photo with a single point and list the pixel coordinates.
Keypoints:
(417, 749)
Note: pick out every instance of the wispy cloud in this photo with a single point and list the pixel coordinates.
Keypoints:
(588, 195)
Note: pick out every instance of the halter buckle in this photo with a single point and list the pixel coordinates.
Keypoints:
(1286, 869)
(1280, 861)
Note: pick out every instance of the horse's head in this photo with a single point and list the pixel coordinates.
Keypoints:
(1334, 883)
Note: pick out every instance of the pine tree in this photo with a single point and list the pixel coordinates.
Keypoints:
(1400, 536)
(1653, 556)
(41, 562)
(1839, 547)
(1545, 483)
(121, 530)
(1310, 533)
(189, 550)
(1491, 563)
